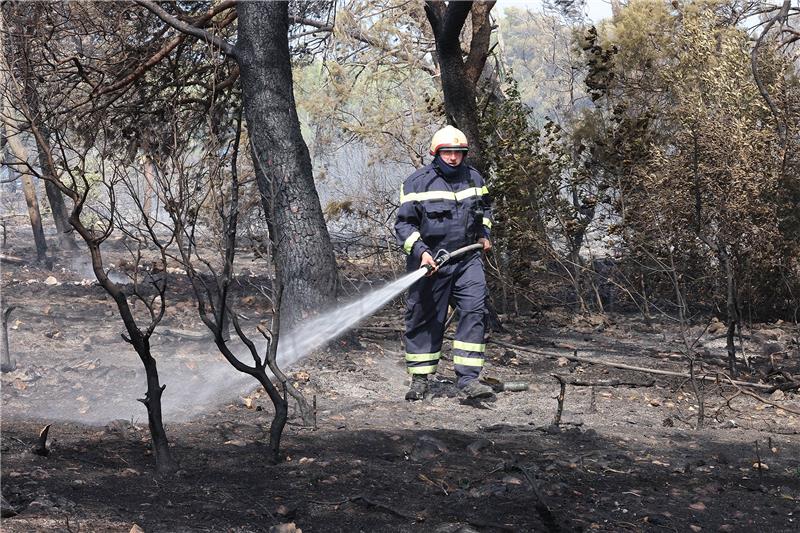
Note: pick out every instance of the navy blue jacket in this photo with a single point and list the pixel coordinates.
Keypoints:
(442, 213)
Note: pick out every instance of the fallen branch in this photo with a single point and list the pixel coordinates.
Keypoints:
(592, 361)
(759, 398)
(603, 382)
(12, 260)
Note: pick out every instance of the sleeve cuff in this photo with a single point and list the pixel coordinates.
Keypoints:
(419, 249)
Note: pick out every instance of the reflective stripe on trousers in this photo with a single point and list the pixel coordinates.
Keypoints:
(463, 284)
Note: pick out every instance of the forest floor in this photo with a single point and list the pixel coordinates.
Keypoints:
(631, 460)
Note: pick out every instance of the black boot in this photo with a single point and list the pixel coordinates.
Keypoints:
(475, 390)
(419, 386)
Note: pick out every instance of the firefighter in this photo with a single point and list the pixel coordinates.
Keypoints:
(445, 205)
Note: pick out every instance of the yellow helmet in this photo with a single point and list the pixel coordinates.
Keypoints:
(449, 138)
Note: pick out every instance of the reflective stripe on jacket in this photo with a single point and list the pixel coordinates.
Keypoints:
(440, 213)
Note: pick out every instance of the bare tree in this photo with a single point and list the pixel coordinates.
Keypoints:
(211, 272)
(149, 289)
(298, 232)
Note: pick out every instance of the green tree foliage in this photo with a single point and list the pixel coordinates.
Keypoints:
(711, 184)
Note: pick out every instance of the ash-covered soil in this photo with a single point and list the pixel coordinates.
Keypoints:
(623, 458)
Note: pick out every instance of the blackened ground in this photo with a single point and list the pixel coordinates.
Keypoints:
(376, 462)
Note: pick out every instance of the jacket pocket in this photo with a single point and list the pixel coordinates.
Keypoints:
(438, 219)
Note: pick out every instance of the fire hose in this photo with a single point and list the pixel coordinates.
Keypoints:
(443, 256)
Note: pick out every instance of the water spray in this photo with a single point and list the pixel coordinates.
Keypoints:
(318, 331)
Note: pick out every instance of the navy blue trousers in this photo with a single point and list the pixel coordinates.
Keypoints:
(463, 283)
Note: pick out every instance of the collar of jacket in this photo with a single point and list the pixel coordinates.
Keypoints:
(448, 172)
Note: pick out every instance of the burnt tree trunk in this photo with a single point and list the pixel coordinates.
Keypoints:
(149, 190)
(460, 76)
(300, 237)
(141, 343)
(281, 414)
(35, 216)
(6, 364)
(54, 197)
(152, 401)
(29, 189)
(730, 305)
(56, 200)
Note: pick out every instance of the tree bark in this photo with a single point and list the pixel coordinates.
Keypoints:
(28, 187)
(149, 191)
(731, 306)
(301, 240)
(54, 196)
(9, 116)
(152, 400)
(6, 364)
(459, 78)
(141, 344)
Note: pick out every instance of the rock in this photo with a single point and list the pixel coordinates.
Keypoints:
(777, 396)
(427, 447)
(480, 444)
(512, 480)
(136, 528)
(288, 527)
(51, 281)
(716, 326)
(657, 519)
